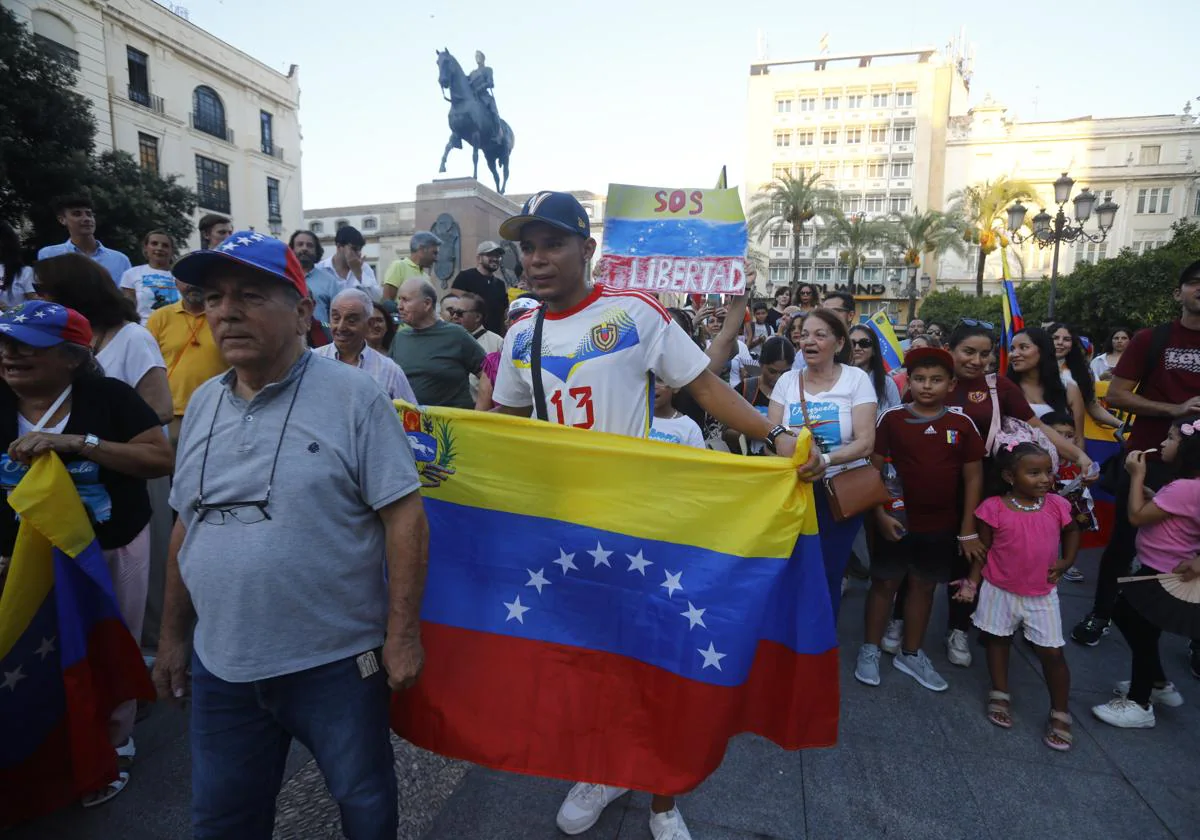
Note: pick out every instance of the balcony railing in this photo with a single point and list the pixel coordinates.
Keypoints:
(213, 198)
(210, 126)
(273, 151)
(146, 99)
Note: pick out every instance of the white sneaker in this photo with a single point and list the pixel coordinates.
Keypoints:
(669, 826)
(894, 636)
(1123, 712)
(866, 671)
(584, 805)
(958, 649)
(1168, 695)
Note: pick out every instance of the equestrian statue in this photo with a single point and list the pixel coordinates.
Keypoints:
(473, 115)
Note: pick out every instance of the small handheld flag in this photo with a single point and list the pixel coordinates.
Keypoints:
(889, 346)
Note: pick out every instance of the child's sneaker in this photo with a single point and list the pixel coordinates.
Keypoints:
(867, 669)
(1090, 630)
(1073, 575)
(1123, 712)
(1167, 695)
(919, 667)
(893, 637)
(958, 649)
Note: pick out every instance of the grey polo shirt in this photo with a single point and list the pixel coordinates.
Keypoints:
(305, 587)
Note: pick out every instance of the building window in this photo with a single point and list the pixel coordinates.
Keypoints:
(55, 37)
(139, 76)
(828, 171)
(317, 227)
(808, 103)
(804, 138)
(779, 237)
(783, 106)
(1091, 252)
(879, 100)
(831, 103)
(1196, 209)
(148, 152)
(1149, 155)
(806, 239)
(854, 136)
(873, 204)
(879, 133)
(341, 223)
(267, 132)
(1141, 246)
(780, 169)
(783, 139)
(829, 137)
(212, 184)
(851, 204)
(274, 213)
(902, 169)
(853, 170)
(370, 223)
(904, 99)
(208, 114)
(904, 134)
(900, 204)
(855, 100)
(824, 274)
(779, 275)
(1154, 200)
(877, 169)
(1103, 196)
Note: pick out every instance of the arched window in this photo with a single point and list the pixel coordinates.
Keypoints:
(317, 227)
(369, 223)
(56, 37)
(341, 223)
(208, 113)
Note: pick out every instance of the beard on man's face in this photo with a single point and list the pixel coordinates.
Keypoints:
(306, 259)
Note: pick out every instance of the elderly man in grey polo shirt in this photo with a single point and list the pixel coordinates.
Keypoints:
(300, 551)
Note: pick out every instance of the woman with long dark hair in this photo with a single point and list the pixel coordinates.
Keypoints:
(808, 297)
(864, 344)
(1033, 366)
(1104, 364)
(1073, 368)
(16, 278)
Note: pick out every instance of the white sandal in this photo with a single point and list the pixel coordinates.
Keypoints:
(125, 755)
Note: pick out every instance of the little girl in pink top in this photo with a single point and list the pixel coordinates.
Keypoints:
(1023, 531)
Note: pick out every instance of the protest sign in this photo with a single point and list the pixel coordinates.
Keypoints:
(673, 240)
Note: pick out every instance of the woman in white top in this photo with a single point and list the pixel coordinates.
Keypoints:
(123, 347)
(152, 286)
(1104, 364)
(1074, 370)
(838, 404)
(16, 280)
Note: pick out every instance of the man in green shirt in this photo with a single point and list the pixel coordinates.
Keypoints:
(423, 248)
(438, 358)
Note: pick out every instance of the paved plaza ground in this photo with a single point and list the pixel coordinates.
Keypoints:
(909, 764)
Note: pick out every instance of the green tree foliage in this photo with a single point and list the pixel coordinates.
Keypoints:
(47, 141)
(949, 307)
(789, 202)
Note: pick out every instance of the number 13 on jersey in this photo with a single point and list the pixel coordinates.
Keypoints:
(576, 400)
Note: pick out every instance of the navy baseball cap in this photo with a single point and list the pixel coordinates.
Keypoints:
(557, 209)
(249, 248)
(40, 323)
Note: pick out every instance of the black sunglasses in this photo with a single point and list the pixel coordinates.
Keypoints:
(971, 322)
(861, 343)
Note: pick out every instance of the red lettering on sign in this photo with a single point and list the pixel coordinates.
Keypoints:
(661, 198)
(697, 198)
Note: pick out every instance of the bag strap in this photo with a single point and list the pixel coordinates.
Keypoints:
(535, 366)
(1158, 343)
(994, 428)
(804, 403)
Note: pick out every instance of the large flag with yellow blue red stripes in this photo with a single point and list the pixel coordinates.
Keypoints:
(66, 659)
(611, 609)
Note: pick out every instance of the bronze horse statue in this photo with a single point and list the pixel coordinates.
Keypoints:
(471, 120)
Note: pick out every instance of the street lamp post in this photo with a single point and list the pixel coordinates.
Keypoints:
(1054, 230)
(912, 291)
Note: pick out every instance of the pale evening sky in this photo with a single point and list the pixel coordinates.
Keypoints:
(654, 92)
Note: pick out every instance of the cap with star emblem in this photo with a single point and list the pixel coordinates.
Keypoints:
(245, 247)
(557, 209)
(40, 323)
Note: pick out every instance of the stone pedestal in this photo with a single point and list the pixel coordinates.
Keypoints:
(477, 210)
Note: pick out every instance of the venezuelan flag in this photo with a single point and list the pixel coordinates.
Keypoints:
(889, 345)
(66, 658)
(1014, 321)
(592, 614)
(1100, 445)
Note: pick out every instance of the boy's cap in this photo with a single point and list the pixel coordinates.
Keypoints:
(557, 209)
(246, 247)
(929, 354)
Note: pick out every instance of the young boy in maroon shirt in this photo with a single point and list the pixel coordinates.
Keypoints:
(938, 454)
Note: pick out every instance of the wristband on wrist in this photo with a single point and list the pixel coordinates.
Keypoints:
(968, 538)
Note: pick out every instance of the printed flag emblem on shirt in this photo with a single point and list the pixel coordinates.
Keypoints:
(66, 659)
(589, 616)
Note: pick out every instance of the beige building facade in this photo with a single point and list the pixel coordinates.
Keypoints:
(182, 102)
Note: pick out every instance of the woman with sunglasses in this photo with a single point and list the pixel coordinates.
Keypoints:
(936, 334)
(1074, 370)
(865, 355)
(55, 398)
(808, 297)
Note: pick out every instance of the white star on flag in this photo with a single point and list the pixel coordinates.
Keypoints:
(567, 561)
(694, 616)
(515, 610)
(53, 310)
(537, 579)
(41, 313)
(600, 556)
(243, 240)
(672, 583)
(257, 237)
(6, 327)
(711, 657)
(11, 678)
(47, 647)
(19, 319)
(638, 563)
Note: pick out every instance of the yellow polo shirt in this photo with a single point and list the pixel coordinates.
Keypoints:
(189, 350)
(402, 270)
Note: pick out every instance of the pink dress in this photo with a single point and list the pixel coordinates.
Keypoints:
(1025, 545)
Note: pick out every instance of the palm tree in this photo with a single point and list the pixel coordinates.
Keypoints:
(985, 208)
(854, 236)
(933, 233)
(792, 201)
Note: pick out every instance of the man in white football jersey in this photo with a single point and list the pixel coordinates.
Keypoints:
(600, 350)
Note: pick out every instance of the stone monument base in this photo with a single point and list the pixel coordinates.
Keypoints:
(477, 212)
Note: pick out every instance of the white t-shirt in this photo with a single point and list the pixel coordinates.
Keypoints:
(369, 283)
(1100, 366)
(154, 288)
(830, 412)
(18, 291)
(596, 361)
(763, 331)
(741, 359)
(679, 429)
(130, 355)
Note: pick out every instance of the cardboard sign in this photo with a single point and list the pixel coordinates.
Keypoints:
(660, 239)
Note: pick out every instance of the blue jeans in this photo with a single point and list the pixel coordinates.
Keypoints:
(837, 540)
(241, 733)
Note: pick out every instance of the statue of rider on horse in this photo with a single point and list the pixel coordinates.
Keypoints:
(474, 116)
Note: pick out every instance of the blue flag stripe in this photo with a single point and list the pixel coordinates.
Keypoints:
(689, 599)
(888, 353)
(674, 238)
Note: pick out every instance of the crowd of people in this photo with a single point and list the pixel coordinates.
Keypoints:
(224, 392)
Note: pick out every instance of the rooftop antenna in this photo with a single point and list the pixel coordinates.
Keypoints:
(823, 44)
(763, 47)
